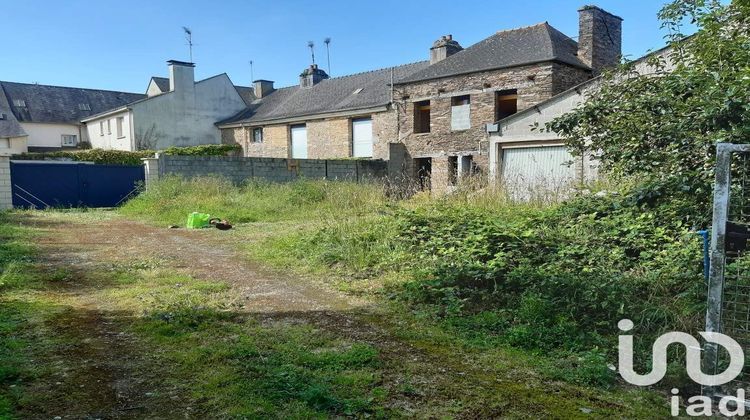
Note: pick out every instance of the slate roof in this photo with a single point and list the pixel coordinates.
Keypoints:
(162, 83)
(247, 94)
(9, 126)
(56, 104)
(511, 48)
(329, 95)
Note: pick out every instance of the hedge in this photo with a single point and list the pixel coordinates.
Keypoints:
(120, 157)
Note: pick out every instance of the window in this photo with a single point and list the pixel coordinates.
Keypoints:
(69, 140)
(84, 107)
(258, 135)
(120, 121)
(460, 113)
(4, 143)
(109, 126)
(19, 103)
(101, 128)
(506, 103)
(452, 170)
(422, 117)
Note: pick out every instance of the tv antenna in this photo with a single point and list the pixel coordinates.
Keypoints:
(252, 77)
(328, 53)
(311, 45)
(189, 37)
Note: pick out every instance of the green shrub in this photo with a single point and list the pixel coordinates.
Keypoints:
(121, 157)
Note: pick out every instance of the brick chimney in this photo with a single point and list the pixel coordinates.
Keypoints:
(444, 48)
(599, 38)
(311, 76)
(262, 87)
(181, 76)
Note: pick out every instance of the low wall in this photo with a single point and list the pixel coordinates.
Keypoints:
(240, 169)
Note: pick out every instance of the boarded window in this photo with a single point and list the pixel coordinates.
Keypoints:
(299, 141)
(460, 113)
(506, 103)
(452, 170)
(422, 117)
(258, 135)
(362, 137)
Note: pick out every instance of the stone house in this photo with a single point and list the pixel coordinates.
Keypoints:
(50, 116)
(443, 109)
(177, 111)
(321, 118)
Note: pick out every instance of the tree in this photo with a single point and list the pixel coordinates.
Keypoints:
(662, 130)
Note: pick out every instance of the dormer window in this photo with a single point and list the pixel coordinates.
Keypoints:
(84, 107)
(20, 103)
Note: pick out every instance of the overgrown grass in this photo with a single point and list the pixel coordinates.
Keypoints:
(548, 278)
(172, 199)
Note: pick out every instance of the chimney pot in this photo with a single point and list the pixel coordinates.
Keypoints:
(311, 76)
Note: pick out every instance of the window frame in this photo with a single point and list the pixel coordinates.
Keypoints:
(507, 95)
(5, 143)
(73, 136)
(422, 108)
(254, 138)
(109, 126)
(101, 128)
(119, 127)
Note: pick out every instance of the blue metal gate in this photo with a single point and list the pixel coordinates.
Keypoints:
(42, 184)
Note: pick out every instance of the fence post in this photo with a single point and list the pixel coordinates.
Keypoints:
(6, 195)
(718, 260)
(151, 169)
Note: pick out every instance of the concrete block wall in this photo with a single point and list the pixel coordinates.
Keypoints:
(241, 169)
(6, 197)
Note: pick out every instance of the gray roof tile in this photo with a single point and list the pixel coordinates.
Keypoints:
(56, 104)
(9, 126)
(329, 95)
(162, 83)
(511, 48)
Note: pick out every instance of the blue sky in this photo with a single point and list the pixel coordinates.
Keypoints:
(120, 45)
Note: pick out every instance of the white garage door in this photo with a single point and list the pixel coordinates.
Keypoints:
(535, 172)
(299, 142)
(362, 137)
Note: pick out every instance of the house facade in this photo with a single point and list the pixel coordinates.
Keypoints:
(443, 110)
(50, 116)
(13, 139)
(177, 111)
(527, 159)
(321, 118)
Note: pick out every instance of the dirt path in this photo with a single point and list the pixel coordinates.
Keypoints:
(110, 372)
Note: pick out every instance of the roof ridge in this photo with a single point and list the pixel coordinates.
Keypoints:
(521, 27)
(71, 87)
(375, 70)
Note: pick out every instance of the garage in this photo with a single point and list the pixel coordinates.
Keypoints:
(535, 172)
(362, 137)
(299, 141)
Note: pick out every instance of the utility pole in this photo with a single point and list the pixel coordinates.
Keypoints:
(328, 53)
(189, 37)
(312, 50)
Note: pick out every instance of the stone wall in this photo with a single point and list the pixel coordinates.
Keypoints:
(6, 197)
(327, 138)
(241, 169)
(533, 83)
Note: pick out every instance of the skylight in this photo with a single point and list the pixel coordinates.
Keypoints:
(357, 91)
(19, 103)
(84, 107)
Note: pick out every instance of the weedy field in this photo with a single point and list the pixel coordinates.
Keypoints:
(330, 299)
